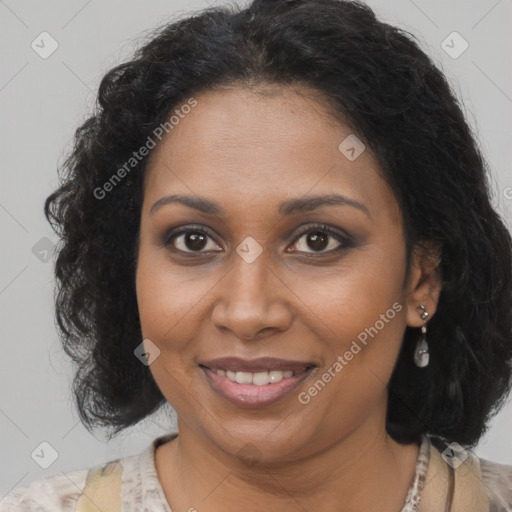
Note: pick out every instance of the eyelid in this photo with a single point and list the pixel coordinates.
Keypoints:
(335, 232)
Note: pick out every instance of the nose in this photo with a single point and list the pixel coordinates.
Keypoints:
(251, 300)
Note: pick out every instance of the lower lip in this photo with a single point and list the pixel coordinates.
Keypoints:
(250, 395)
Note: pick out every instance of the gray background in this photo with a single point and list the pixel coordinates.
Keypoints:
(42, 102)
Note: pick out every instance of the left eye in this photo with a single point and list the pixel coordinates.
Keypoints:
(320, 239)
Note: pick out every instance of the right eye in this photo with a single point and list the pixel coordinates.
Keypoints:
(191, 240)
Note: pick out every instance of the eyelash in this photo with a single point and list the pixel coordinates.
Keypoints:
(345, 240)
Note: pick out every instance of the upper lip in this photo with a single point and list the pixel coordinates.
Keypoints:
(261, 364)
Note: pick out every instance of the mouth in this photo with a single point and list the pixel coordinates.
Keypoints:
(255, 383)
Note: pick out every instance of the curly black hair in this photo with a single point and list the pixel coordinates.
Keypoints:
(377, 81)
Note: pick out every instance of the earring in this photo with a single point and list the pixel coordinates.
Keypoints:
(421, 354)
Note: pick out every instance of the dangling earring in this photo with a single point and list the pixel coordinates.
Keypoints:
(421, 354)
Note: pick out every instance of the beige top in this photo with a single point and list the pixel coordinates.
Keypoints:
(141, 491)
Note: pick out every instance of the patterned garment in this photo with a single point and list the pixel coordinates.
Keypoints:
(413, 497)
(141, 490)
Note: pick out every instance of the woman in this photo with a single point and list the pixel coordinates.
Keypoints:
(278, 222)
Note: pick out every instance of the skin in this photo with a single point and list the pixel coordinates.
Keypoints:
(248, 150)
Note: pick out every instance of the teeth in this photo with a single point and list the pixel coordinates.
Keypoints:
(258, 379)
(243, 378)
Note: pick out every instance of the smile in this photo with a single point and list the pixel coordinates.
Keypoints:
(255, 389)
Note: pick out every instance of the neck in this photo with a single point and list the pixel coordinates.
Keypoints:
(364, 470)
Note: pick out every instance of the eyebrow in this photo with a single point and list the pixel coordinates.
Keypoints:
(286, 208)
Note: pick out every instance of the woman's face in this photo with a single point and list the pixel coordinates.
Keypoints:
(267, 280)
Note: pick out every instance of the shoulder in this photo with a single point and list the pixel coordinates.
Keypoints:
(475, 484)
(497, 479)
(109, 481)
(55, 493)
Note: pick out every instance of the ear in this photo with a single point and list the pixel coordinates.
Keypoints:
(424, 285)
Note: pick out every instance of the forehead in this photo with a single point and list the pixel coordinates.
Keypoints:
(263, 146)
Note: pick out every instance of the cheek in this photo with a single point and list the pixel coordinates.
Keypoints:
(353, 296)
(168, 298)
(359, 323)
(359, 315)
(166, 302)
